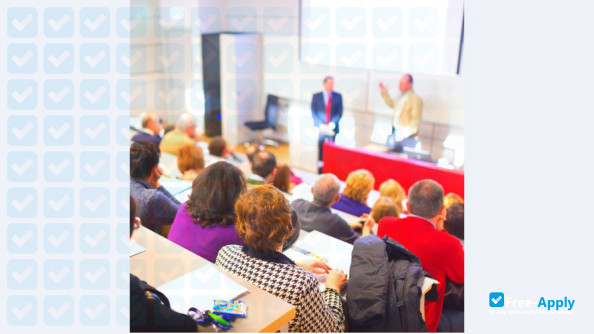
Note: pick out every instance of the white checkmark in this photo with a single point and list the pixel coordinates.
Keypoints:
(57, 61)
(239, 25)
(94, 169)
(59, 204)
(423, 24)
(93, 25)
(94, 241)
(168, 97)
(495, 301)
(313, 25)
(56, 242)
(21, 277)
(385, 61)
(93, 97)
(125, 204)
(241, 96)
(93, 277)
(93, 133)
(166, 61)
(130, 61)
(168, 24)
(21, 61)
(350, 25)
(276, 24)
(315, 59)
(58, 97)
(125, 168)
(169, 275)
(20, 241)
(21, 97)
(93, 313)
(349, 61)
(59, 168)
(21, 313)
(60, 23)
(276, 61)
(240, 61)
(385, 25)
(209, 57)
(22, 132)
(129, 25)
(58, 133)
(21, 25)
(205, 277)
(93, 61)
(21, 169)
(93, 205)
(131, 97)
(20, 206)
(125, 131)
(125, 276)
(352, 96)
(203, 25)
(422, 61)
(56, 278)
(61, 310)
(125, 312)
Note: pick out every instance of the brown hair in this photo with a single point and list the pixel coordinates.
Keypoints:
(190, 157)
(263, 218)
(217, 146)
(132, 214)
(383, 207)
(391, 188)
(282, 178)
(452, 198)
(214, 193)
(358, 185)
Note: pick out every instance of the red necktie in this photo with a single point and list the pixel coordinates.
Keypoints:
(328, 105)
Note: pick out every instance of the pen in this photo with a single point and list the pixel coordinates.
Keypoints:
(218, 319)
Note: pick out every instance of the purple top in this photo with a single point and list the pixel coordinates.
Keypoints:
(353, 207)
(203, 241)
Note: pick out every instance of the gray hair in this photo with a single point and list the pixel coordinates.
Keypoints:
(325, 189)
(425, 198)
(186, 121)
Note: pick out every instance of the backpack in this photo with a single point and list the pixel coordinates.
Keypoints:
(385, 288)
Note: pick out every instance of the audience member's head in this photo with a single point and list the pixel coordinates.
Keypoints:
(187, 124)
(151, 121)
(214, 193)
(264, 165)
(452, 198)
(326, 190)
(217, 146)
(383, 207)
(454, 222)
(282, 177)
(425, 199)
(358, 185)
(406, 82)
(144, 162)
(251, 151)
(328, 83)
(391, 188)
(190, 158)
(264, 218)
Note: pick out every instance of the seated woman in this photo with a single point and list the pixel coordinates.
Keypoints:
(264, 223)
(156, 206)
(190, 161)
(452, 198)
(149, 308)
(206, 222)
(282, 178)
(384, 207)
(354, 196)
(391, 188)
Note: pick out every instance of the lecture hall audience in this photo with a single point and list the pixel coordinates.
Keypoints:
(151, 129)
(206, 222)
(190, 162)
(359, 184)
(156, 206)
(441, 254)
(264, 223)
(183, 134)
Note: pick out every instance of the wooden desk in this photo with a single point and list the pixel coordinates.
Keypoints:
(164, 261)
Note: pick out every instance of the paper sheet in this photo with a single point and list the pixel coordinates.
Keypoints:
(200, 288)
(136, 248)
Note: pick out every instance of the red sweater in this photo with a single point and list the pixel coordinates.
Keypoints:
(441, 255)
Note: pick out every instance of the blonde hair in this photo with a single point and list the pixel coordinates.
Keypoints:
(358, 185)
(391, 188)
(452, 198)
(190, 157)
(383, 207)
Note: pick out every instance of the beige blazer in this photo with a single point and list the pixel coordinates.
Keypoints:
(410, 116)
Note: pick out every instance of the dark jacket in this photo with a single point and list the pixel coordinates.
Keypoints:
(319, 218)
(155, 206)
(318, 109)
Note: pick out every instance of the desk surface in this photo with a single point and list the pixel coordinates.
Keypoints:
(164, 261)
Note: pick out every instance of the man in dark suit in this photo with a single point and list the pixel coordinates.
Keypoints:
(326, 110)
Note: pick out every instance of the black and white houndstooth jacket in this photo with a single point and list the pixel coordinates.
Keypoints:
(316, 311)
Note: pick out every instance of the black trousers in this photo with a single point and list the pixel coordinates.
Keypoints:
(321, 140)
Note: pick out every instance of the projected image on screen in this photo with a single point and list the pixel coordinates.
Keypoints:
(418, 36)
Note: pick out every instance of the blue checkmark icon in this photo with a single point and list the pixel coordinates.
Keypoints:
(496, 299)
